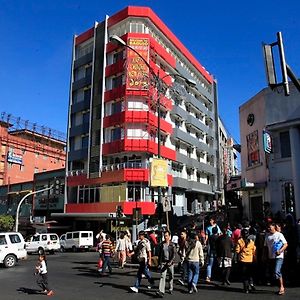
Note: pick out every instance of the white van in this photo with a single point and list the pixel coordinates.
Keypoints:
(43, 242)
(12, 248)
(77, 240)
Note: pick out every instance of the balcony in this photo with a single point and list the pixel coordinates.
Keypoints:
(192, 186)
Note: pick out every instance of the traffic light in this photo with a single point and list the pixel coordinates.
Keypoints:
(59, 187)
(119, 211)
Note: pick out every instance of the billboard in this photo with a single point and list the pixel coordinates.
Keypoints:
(253, 149)
(137, 69)
(159, 173)
(14, 158)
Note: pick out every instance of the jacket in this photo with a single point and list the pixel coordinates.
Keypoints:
(246, 252)
(195, 254)
(171, 250)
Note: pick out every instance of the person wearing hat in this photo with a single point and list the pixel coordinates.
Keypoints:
(246, 251)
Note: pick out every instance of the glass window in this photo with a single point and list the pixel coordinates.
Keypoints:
(117, 81)
(118, 56)
(85, 117)
(69, 236)
(44, 237)
(53, 237)
(84, 142)
(285, 145)
(116, 107)
(75, 235)
(84, 48)
(84, 234)
(14, 238)
(116, 134)
(2, 240)
(36, 238)
(36, 170)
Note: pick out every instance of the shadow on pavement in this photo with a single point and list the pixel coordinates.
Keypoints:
(30, 291)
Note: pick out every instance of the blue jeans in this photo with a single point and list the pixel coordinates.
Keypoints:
(193, 267)
(106, 264)
(210, 264)
(143, 269)
(278, 266)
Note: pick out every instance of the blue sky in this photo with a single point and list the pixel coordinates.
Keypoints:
(225, 36)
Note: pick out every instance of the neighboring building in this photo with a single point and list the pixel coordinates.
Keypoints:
(112, 129)
(269, 127)
(27, 149)
(37, 207)
(229, 156)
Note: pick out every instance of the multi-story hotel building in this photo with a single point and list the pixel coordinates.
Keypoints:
(113, 120)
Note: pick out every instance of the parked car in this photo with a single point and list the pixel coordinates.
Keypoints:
(77, 240)
(44, 242)
(12, 248)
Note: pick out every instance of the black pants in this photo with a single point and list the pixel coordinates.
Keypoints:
(42, 281)
(246, 270)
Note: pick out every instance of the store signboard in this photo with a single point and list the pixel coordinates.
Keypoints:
(14, 158)
(159, 173)
(137, 69)
(267, 142)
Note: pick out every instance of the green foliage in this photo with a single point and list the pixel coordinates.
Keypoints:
(6, 222)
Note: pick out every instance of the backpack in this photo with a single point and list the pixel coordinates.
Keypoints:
(140, 250)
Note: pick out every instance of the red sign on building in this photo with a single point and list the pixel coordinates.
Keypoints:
(137, 69)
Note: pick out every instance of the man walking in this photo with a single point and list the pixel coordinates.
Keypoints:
(143, 255)
(166, 257)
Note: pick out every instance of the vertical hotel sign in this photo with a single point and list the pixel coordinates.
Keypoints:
(137, 69)
(159, 173)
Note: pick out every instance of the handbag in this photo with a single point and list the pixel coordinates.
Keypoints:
(100, 264)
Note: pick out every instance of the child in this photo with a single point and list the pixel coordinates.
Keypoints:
(41, 271)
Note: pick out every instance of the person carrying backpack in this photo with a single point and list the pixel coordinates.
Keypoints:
(143, 255)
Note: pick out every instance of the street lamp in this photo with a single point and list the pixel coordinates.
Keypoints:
(161, 87)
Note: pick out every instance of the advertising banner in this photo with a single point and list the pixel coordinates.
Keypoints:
(137, 69)
(159, 173)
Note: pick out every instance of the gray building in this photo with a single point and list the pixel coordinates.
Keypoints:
(269, 127)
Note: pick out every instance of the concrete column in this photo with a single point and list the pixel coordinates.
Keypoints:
(295, 152)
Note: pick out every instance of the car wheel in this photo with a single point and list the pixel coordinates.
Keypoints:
(9, 261)
(41, 251)
(51, 252)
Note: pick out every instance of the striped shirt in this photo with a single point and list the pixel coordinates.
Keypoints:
(107, 248)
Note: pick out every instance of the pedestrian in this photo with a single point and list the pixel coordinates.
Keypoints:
(183, 265)
(166, 257)
(107, 251)
(121, 249)
(224, 254)
(211, 252)
(143, 255)
(276, 245)
(42, 273)
(208, 231)
(246, 251)
(195, 259)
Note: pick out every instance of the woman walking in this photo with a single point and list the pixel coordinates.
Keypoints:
(121, 249)
(195, 258)
(246, 251)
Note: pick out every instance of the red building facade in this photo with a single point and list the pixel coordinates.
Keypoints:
(25, 151)
(113, 118)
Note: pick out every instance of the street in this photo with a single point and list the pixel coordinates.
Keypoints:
(73, 276)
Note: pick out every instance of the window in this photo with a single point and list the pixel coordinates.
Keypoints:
(116, 134)
(285, 145)
(84, 49)
(117, 81)
(36, 170)
(85, 117)
(118, 56)
(14, 238)
(84, 234)
(177, 146)
(69, 236)
(2, 240)
(36, 238)
(75, 235)
(22, 168)
(45, 156)
(116, 107)
(44, 237)
(84, 142)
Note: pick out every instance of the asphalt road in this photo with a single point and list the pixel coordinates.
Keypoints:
(73, 276)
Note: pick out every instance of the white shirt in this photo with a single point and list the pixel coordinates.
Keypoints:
(270, 242)
(43, 267)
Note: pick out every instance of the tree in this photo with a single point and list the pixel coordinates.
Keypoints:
(6, 222)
